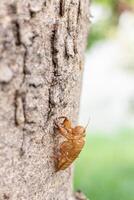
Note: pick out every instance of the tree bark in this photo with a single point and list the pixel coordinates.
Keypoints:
(42, 46)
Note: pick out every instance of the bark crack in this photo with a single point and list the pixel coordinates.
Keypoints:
(62, 8)
(79, 11)
(20, 93)
(55, 76)
(20, 116)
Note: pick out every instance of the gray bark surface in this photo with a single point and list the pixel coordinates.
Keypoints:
(42, 46)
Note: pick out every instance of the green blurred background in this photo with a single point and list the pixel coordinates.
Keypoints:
(105, 27)
(105, 167)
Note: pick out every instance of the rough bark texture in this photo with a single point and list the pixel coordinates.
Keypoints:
(42, 45)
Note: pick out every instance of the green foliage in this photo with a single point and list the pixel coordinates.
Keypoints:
(105, 169)
(113, 3)
(97, 33)
(110, 3)
(100, 29)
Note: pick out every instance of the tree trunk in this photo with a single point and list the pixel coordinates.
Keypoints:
(42, 45)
